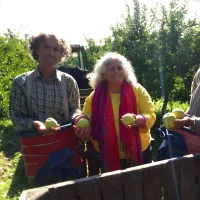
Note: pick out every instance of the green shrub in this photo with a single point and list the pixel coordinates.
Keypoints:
(15, 59)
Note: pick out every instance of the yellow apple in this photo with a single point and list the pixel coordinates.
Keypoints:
(179, 114)
(51, 123)
(169, 120)
(128, 119)
(83, 123)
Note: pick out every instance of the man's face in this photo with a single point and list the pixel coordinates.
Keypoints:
(49, 52)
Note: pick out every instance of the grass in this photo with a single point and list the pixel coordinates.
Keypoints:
(12, 172)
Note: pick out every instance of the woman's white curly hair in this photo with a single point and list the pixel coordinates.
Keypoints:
(96, 77)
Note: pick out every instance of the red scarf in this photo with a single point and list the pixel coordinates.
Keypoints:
(103, 127)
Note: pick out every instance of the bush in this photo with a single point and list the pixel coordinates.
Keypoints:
(15, 59)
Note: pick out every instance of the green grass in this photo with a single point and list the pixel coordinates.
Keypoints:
(12, 172)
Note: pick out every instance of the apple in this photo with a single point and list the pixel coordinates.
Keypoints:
(169, 120)
(51, 123)
(179, 114)
(128, 119)
(83, 123)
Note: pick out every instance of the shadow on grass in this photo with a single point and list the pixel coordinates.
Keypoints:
(8, 143)
(19, 180)
(11, 148)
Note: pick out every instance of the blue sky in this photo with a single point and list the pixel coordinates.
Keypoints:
(70, 19)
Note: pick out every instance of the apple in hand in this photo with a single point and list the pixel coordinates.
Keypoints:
(128, 119)
(169, 120)
(51, 123)
(83, 123)
(178, 113)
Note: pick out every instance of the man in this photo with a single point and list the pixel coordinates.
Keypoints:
(46, 92)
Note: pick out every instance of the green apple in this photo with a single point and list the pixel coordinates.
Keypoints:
(178, 113)
(128, 119)
(169, 120)
(51, 123)
(83, 123)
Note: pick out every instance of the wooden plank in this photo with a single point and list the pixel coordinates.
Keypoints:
(142, 182)
(89, 188)
(152, 182)
(111, 185)
(171, 180)
(82, 100)
(85, 92)
(132, 179)
(35, 194)
(188, 179)
(197, 175)
(65, 190)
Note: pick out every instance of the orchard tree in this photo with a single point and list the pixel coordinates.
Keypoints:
(14, 60)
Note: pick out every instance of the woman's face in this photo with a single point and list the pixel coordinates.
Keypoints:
(114, 73)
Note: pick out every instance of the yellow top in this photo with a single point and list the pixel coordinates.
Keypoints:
(144, 106)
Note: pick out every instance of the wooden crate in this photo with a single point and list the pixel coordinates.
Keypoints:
(84, 93)
(173, 179)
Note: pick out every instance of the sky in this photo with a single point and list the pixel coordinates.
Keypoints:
(72, 20)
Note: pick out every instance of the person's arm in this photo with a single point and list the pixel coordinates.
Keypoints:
(18, 109)
(87, 110)
(195, 81)
(196, 126)
(73, 98)
(83, 133)
(193, 122)
(146, 115)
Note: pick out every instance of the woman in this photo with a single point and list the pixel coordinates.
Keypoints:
(116, 92)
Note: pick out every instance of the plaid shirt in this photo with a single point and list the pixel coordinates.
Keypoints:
(46, 99)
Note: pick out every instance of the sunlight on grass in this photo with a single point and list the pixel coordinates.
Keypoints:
(12, 172)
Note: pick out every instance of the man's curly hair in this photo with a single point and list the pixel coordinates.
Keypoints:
(35, 42)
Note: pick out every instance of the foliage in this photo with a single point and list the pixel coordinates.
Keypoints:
(162, 45)
(15, 59)
(71, 62)
(95, 51)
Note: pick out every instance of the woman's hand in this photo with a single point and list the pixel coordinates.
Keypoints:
(40, 127)
(81, 133)
(140, 121)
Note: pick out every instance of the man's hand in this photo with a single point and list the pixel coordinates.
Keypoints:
(186, 121)
(81, 133)
(40, 127)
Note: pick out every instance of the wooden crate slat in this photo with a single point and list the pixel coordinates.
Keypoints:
(89, 188)
(82, 101)
(152, 182)
(188, 179)
(35, 194)
(132, 179)
(111, 185)
(85, 92)
(171, 181)
(63, 190)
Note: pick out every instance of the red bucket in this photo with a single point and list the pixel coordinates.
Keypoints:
(36, 149)
(192, 141)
